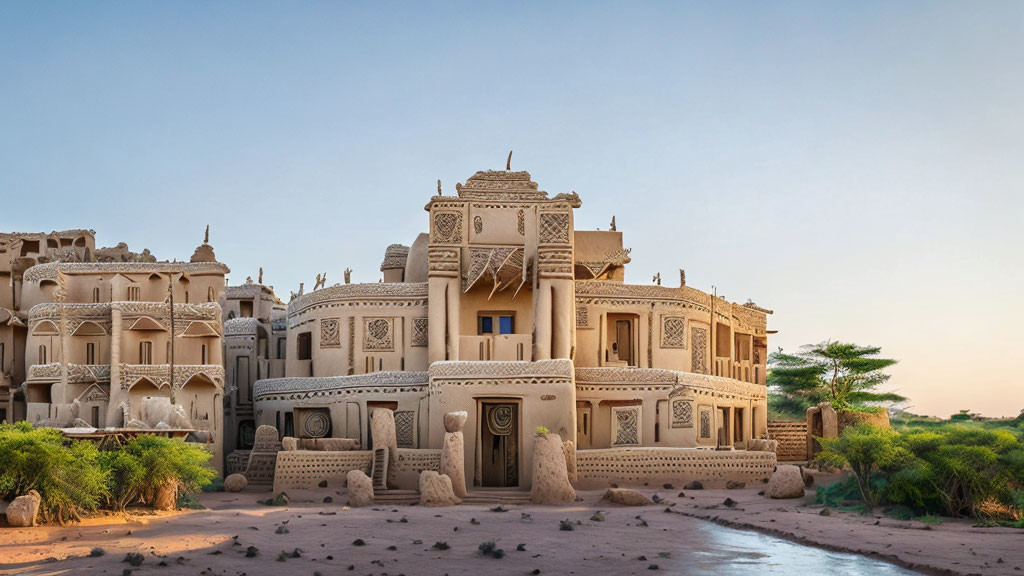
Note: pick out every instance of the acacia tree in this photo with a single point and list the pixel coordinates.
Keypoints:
(844, 375)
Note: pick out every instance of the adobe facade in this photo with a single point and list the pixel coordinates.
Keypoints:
(111, 339)
(507, 312)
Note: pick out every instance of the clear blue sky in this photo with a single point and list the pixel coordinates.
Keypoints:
(858, 167)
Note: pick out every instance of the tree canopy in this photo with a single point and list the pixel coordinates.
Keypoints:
(845, 375)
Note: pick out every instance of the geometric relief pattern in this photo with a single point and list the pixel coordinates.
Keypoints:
(330, 332)
(419, 331)
(448, 227)
(378, 334)
(554, 227)
(699, 363)
(682, 414)
(705, 424)
(673, 332)
(627, 425)
(404, 428)
(581, 316)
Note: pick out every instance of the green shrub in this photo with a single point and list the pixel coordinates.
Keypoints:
(541, 430)
(866, 449)
(148, 462)
(68, 477)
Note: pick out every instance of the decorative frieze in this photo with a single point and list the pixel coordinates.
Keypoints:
(447, 228)
(49, 271)
(554, 228)
(699, 354)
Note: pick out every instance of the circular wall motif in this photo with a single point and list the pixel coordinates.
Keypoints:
(499, 420)
(317, 425)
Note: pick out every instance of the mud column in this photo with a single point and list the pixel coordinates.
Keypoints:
(555, 284)
(443, 293)
(114, 417)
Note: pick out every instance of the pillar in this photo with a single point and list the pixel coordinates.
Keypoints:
(561, 318)
(542, 321)
(116, 394)
(454, 293)
(437, 319)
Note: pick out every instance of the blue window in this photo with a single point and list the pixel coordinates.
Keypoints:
(486, 325)
(505, 325)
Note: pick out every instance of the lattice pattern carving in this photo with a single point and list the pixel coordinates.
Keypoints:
(330, 333)
(673, 332)
(521, 222)
(627, 425)
(554, 228)
(378, 334)
(478, 224)
(699, 337)
(682, 414)
(405, 428)
(448, 227)
(420, 331)
(705, 424)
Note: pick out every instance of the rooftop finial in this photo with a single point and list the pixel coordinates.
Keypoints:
(508, 163)
(438, 186)
(613, 224)
(261, 275)
(206, 237)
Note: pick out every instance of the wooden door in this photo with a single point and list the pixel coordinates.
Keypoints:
(624, 341)
(499, 444)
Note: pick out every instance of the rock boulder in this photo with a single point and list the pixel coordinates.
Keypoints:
(626, 497)
(235, 483)
(550, 472)
(786, 482)
(24, 509)
(453, 455)
(360, 489)
(436, 489)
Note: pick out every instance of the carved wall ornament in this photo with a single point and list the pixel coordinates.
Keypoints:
(317, 424)
(478, 224)
(626, 423)
(682, 414)
(448, 227)
(420, 331)
(521, 222)
(405, 428)
(582, 317)
(554, 228)
(673, 332)
(378, 334)
(699, 361)
(705, 423)
(330, 333)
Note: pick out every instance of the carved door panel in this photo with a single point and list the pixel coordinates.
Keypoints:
(499, 444)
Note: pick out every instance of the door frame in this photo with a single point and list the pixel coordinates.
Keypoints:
(478, 464)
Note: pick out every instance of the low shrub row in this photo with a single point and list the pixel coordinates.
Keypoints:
(75, 477)
(951, 470)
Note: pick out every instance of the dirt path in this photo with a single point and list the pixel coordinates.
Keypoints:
(216, 541)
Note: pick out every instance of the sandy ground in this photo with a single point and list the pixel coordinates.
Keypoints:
(400, 540)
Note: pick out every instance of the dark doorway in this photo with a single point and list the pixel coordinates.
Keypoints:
(499, 444)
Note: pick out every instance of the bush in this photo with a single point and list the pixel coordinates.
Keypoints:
(147, 463)
(68, 478)
(866, 449)
(956, 470)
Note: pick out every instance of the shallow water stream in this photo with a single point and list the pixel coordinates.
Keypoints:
(740, 552)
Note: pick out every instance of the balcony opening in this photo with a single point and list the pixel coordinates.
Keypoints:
(245, 308)
(496, 323)
(304, 346)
